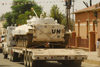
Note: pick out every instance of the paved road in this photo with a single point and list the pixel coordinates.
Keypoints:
(7, 63)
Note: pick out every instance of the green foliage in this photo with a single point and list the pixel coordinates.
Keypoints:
(21, 19)
(2, 17)
(21, 10)
(57, 15)
(5, 25)
(71, 23)
(9, 17)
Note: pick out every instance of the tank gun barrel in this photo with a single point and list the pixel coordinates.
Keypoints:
(34, 12)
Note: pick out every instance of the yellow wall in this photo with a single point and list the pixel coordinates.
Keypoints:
(83, 29)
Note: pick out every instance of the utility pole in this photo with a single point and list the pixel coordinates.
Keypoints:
(68, 7)
(73, 8)
(73, 16)
(90, 2)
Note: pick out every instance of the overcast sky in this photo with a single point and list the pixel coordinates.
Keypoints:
(46, 4)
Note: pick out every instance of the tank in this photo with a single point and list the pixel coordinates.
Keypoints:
(38, 31)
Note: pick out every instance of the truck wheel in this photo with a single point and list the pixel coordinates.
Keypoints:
(5, 56)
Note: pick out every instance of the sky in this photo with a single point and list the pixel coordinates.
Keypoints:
(5, 5)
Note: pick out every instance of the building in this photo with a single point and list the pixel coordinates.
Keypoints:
(84, 19)
(2, 30)
(86, 25)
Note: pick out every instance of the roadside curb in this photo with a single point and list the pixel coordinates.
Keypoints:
(92, 62)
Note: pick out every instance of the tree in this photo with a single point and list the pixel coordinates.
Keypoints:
(21, 10)
(8, 17)
(57, 15)
(2, 17)
(65, 23)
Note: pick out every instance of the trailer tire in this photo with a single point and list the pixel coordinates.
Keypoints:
(30, 60)
(77, 63)
(35, 63)
(0, 50)
(14, 57)
(27, 60)
(72, 63)
(25, 63)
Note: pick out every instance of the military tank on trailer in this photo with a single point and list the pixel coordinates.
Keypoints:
(41, 39)
(38, 32)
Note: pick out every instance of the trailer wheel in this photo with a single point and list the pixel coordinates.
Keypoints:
(77, 63)
(0, 50)
(72, 63)
(27, 60)
(36, 63)
(25, 63)
(14, 57)
(30, 60)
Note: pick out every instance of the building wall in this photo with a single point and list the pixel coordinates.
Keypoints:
(83, 17)
(98, 30)
(2, 30)
(83, 29)
(86, 15)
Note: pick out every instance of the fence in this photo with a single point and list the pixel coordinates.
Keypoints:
(79, 42)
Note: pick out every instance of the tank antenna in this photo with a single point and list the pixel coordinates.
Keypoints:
(34, 12)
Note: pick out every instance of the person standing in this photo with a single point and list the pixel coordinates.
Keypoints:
(98, 47)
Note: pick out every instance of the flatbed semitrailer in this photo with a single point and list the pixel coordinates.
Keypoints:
(40, 40)
(30, 55)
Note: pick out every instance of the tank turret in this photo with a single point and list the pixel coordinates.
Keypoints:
(39, 30)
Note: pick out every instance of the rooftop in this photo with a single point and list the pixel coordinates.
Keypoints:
(91, 8)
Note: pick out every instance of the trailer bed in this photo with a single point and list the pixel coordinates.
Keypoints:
(53, 54)
(58, 54)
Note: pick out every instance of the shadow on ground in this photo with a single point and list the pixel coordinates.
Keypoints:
(49, 64)
(5, 66)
